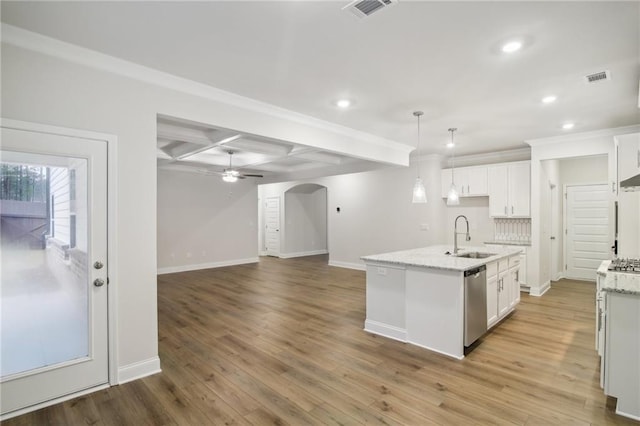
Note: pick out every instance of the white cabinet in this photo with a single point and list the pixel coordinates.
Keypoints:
(514, 281)
(620, 368)
(628, 155)
(509, 187)
(503, 289)
(470, 181)
(504, 293)
(492, 294)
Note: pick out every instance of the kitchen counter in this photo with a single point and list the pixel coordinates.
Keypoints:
(618, 282)
(417, 296)
(435, 257)
(618, 337)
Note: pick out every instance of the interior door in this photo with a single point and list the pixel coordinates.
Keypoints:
(53, 288)
(272, 226)
(587, 232)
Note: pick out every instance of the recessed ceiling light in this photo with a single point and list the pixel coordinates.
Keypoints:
(343, 103)
(512, 46)
(549, 99)
(568, 126)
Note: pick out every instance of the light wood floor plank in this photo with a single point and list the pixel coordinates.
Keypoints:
(282, 342)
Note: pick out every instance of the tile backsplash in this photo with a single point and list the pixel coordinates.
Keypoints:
(508, 229)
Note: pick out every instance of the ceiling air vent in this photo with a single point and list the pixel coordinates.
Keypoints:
(364, 8)
(597, 77)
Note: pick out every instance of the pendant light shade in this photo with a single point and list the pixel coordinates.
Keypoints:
(419, 192)
(453, 199)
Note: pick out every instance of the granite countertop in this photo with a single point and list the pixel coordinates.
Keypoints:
(510, 243)
(622, 282)
(602, 269)
(435, 257)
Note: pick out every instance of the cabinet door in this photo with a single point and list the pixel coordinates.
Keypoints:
(515, 287)
(522, 275)
(477, 184)
(504, 298)
(628, 155)
(498, 190)
(461, 179)
(519, 195)
(445, 175)
(492, 300)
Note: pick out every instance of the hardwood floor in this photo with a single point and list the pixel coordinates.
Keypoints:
(281, 342)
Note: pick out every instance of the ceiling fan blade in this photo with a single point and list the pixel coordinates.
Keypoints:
(251, 175)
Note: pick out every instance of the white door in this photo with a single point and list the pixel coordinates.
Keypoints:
(53, 287)
(587, 230)
(272, 226)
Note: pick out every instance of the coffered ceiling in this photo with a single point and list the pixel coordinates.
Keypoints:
(443, 58)
(190, 146)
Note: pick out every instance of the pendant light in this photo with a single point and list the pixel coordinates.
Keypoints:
(453, 199)
(419, 193)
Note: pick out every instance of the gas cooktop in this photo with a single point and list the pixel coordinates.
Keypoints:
(625, 265)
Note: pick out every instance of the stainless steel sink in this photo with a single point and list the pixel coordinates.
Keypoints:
(475, 255)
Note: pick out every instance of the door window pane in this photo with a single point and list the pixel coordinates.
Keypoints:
(44, 261)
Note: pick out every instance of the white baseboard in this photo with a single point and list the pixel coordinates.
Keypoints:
(348, 265)
(385, 330)
(195, 267)
(138, 370)
(437, 351)
(302, 254)
(539, 291)
(262, 253)
(630, 416)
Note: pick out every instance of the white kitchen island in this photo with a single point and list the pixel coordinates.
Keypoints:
(417, 296)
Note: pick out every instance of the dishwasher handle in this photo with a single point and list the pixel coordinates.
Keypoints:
(475, 271)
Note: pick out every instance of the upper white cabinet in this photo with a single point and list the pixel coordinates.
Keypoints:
(509, 188)
(470, 181)
(628, 155)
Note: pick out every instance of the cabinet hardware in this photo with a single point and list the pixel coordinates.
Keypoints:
(505, 209)
(469, 190)
(511, 209)
(98, 282)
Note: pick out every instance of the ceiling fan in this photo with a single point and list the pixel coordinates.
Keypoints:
(232, 175)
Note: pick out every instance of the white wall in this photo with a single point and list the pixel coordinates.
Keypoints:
(476, 209)
(205, 222)
(586, 144)
(125, 101)
(584, 170)
(376, 214)
(305, 216)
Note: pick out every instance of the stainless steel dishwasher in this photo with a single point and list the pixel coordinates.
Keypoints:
(475, 304)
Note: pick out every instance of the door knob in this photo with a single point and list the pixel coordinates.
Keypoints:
(98, 282)
(98, 265)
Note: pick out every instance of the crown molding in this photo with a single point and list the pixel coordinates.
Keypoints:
(52, 47)
(602, 133)
(519, 154)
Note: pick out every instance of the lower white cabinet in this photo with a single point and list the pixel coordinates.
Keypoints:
(620, 366)
(503, 288)
(492, 300)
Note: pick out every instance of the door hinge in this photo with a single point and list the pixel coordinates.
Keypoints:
(107, 280)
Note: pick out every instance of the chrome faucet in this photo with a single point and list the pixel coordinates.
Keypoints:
(455, 233)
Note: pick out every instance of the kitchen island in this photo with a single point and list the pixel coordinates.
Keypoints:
(418, 296)
(618, 337)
